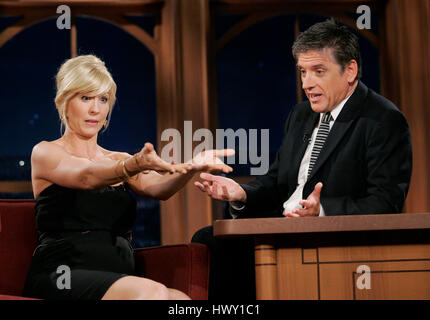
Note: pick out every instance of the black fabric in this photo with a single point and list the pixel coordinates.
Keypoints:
(365, 165)
(87, 231)
(232, 274)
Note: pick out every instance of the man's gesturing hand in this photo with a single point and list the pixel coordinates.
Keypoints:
(311, 206)
(221, 188)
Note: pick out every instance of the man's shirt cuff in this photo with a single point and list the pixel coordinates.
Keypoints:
(322, 212)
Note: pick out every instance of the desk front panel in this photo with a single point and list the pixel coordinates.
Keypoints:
(393, 272)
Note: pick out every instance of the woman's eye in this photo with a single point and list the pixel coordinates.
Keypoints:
(104, 99)
(85, 98)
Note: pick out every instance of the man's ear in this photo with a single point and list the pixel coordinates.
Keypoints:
(351, 71)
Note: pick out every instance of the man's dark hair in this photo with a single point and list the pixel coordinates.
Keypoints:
(330, 35)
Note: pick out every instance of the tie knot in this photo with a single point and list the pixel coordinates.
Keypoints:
(326, 117)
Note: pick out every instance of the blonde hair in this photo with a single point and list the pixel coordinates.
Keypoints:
(83, 74)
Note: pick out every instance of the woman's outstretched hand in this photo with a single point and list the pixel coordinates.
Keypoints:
(208, 161)
(205, 161)
(147, 159)
(163, 187)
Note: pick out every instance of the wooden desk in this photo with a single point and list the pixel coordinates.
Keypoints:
(318, 257)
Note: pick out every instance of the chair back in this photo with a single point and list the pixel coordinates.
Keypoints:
(18, 239)
(184, 267)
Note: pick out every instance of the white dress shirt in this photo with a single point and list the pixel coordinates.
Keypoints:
(296, 197)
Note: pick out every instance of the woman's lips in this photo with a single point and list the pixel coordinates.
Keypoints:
(92, 123)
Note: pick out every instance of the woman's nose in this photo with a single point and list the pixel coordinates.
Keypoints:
(94, 108)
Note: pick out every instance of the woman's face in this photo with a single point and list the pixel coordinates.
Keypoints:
(86, 115)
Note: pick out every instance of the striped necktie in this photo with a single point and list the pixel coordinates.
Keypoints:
(322, 134)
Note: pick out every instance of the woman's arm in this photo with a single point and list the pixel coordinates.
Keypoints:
(158, 186)
(50, 162)
(163, 186)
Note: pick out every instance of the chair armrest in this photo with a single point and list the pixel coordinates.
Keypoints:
(8, 297)
(184, 267)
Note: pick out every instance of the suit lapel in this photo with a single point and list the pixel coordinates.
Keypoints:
(300, 145)
(345, 119)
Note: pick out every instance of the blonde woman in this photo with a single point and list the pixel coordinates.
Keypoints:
(84, 209)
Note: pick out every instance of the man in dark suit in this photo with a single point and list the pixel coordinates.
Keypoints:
(347, 150)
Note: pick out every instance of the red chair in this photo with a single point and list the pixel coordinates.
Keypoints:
(184, 267)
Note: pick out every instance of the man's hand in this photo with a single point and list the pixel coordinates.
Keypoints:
(221, 188)
(311, 206)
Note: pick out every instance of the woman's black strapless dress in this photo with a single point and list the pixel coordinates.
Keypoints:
(87, 232)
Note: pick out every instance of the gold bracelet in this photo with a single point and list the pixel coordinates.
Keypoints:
(124, 170)
(116, 166)
(137, 163)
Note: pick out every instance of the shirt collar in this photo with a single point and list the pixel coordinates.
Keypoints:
(336, 110)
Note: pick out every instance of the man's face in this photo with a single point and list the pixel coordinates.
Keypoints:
(323, 81)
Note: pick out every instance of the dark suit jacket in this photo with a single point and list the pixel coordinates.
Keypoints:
(365, 165)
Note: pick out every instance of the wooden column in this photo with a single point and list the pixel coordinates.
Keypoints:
(405, 81)
(183, 95)
(195, 26)
(266, 280)
(73, 39)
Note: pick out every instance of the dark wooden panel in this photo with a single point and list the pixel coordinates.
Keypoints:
(15, 186)
(377, 222)
(98, 8)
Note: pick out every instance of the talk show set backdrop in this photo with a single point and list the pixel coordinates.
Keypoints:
(220, 64)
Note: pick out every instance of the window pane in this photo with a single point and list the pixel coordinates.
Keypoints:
(257, 80)
(28, 64)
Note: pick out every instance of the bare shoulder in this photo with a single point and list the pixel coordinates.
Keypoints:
(44, 155)
(48, 144)
(46, 149)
